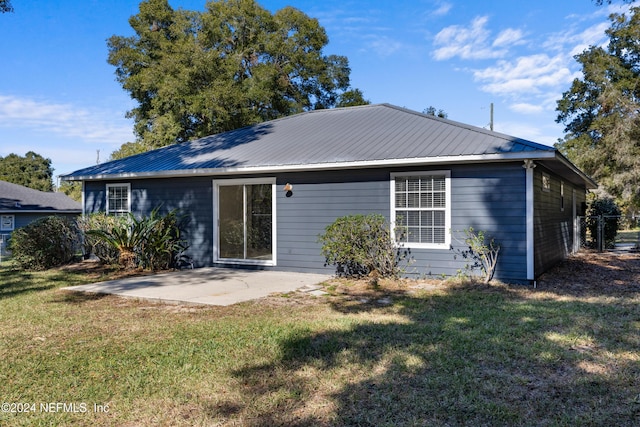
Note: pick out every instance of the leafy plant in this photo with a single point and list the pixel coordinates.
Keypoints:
(360, 245)
(92, 243)
(163, 246)
(481, 252)
(151, 242)
(47, 242)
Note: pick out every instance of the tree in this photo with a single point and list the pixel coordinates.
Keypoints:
(5, 6)
(432, 111)
(72, 189)
(352, 98)
(129, 149)
(236, 64)
(32, 170)
(601, 112)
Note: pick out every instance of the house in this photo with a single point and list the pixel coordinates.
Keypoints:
(261, 195)
(20, 206)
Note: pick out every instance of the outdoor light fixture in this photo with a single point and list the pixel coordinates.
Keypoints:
(289, 189)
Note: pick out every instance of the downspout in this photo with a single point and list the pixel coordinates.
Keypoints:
(529, 165)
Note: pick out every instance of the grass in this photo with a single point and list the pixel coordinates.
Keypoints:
(628, 236)
(459, 354)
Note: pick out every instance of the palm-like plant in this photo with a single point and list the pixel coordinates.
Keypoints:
(125, 237)
(150, 242)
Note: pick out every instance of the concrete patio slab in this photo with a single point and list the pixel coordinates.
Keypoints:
(214, 286)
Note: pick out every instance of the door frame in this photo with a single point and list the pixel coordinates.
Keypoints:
(217, 183)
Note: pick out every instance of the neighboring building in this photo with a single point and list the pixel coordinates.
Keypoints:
(261, 195)
(20, 206)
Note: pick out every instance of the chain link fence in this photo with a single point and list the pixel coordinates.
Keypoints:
(601, 233)
(4, 244)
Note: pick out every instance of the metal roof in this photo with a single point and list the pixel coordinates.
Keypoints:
(15, 198)
(364, 136)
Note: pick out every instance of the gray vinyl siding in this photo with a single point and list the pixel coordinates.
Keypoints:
(486, 197)
(318, 199)
(489, 198)
(191, 196)
(553, 227)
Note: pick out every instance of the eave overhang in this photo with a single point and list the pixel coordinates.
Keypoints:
(547, 157)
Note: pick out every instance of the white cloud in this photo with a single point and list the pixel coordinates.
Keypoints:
(527, 74)
(526, 108)
(383, 45)
(473, 41)
(547, 135)
(507, 37)
(467, 43)
(442, 10)
(574, 43)
(63, 120)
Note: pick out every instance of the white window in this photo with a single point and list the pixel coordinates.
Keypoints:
(421, 209)
(118, 199)
(546, 182)
(561, 196)
(7, 222)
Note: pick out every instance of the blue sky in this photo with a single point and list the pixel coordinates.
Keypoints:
(59, 97)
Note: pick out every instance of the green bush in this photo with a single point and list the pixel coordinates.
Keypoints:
(481, 252)
(92, 244)
(151, 242)
(45, 243)
(606, 208)
(360, 245)
(163, 246)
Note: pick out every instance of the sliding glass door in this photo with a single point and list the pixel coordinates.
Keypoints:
(245, 221)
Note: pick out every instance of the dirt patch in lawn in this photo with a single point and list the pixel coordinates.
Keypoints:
(95, 270)
(590, 273)
(585, 274)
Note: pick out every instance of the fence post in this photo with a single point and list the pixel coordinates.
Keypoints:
(600, 233)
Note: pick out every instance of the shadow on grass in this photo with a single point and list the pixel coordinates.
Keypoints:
(16, 282)
(73, 297)
(465, 357)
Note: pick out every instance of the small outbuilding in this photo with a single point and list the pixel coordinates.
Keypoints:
(260, 196)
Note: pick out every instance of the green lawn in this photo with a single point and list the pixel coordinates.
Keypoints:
(454, 355)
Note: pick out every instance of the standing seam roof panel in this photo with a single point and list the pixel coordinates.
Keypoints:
(365, 133)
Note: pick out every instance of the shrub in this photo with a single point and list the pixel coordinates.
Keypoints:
(360, 245)
(606, 208)
(151, 242)
(480, 253)
(92, 244)
(45, 243)
(163, 247)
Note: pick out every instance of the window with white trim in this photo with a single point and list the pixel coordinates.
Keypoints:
(118, 199)
(421, 209)
(546, 182)
(7, 222)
